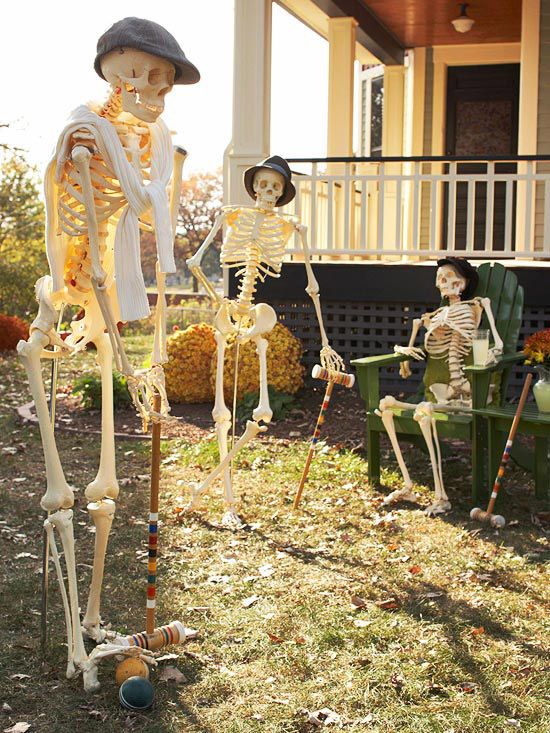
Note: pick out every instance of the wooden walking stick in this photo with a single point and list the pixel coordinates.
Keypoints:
(153, 521)
(496, 520)
(332, 377)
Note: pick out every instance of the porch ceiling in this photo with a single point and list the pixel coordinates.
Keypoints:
(428, 22)
(386, 27)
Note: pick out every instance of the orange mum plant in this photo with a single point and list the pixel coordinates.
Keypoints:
(537, 349)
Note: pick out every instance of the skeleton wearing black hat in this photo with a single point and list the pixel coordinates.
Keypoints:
(112, 173)
(448, 341)
(254, 245)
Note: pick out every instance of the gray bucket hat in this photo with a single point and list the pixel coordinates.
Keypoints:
(151, 38)
(276, 163)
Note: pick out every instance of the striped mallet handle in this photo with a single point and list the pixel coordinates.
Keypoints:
(508, 447)
(479, 514)
(153, 522)
(332, 377)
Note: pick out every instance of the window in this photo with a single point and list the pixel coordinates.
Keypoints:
(372, 106)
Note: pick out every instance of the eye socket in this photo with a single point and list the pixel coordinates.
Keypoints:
(277, 186)
(263, 184)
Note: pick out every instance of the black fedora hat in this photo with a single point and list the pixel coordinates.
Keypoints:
(145, 35)
(276, 163)
(464, 268)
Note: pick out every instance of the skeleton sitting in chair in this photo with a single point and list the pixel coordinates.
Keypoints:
(448, 341)
(111, 175)
(254, 245)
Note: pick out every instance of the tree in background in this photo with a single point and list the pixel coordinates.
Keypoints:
(22, 248)
(201, 200)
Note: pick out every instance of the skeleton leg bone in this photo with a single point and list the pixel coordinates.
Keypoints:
(59, 494)
(263, 411)
(387, 415)
(102, 514)
(105, 483)
(62, 520)
(71, 670)
(424, 416)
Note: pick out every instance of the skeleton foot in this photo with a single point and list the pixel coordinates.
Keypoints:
(404, 494)
(438, 507)
(196, 494)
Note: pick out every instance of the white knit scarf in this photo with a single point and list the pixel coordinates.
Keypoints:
(131, 293)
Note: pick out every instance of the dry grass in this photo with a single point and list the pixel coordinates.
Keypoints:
(462, 651)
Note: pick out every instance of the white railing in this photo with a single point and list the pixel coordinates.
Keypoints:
(388, 208)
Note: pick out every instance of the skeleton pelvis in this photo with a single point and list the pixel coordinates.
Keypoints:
(248, 322)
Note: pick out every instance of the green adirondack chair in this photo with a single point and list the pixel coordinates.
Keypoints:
(500, 285)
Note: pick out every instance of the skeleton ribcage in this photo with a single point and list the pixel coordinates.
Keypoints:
(254, 237)
(449, 321)
(108, 198)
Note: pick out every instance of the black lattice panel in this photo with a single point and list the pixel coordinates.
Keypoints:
(367, 329)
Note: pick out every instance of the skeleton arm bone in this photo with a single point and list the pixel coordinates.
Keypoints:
(497, 348)
(329, 358)
(410, 350)
(194, 263)
(81, 157)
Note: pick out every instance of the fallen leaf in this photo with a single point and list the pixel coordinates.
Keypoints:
(299, 640)
(513, 722)
(415, 569)
(266, 570)
(172, 674)
(20, 676)
(18, 728)
(389, 604)
(468, 687)
(478, 631)
(6, 708)
(250, 601)
(274, 639)
(358, 602)
(361, 623)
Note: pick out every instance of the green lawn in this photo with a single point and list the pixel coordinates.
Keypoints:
(395, 621)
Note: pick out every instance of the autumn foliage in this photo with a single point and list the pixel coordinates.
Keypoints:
(12, 330)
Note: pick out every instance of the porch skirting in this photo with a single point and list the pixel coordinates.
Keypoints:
(368, 308)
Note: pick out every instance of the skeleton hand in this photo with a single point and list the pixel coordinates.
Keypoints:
(413, 351)
(331, 360)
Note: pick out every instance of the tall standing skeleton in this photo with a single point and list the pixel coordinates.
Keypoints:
(254, 245)
(449, 335)
(111, 175)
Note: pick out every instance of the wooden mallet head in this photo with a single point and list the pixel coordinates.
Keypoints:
(329, 375)
(495, 520)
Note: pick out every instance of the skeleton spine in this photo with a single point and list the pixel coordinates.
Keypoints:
(247, 286)
(112, 107)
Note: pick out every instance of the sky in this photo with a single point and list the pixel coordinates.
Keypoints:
(47, 51)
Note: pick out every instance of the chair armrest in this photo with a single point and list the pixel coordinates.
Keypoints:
(501, 363)
(368, 375)
(379, 361)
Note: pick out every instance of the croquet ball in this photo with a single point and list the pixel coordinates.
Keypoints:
(131, 667)
(136, 693)
(498, 521)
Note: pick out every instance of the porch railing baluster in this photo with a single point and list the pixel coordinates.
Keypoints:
(415, 219)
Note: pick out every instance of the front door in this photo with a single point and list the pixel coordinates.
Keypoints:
(482, 120)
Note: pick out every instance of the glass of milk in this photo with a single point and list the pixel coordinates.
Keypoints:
(481, 346)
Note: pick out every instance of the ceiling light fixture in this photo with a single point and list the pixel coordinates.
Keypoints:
(463, 23)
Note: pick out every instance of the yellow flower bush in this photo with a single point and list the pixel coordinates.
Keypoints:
(188, 369)
(284, 371)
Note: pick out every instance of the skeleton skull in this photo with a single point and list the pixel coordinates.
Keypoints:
(449, 282)
(268, 186)
(144, 81)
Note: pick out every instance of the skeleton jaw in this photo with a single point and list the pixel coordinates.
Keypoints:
(137, 105)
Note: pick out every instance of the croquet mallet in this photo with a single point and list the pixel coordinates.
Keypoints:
(332, 377)
(496, 520)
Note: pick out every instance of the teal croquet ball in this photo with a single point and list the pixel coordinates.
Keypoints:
(136, 693)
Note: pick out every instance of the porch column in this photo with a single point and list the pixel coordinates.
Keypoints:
(528, 124)
(251, 95)
(341, 39)
(390, 234)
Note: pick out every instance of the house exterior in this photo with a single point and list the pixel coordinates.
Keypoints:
(454, 157)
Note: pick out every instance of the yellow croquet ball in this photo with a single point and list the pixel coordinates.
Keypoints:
(131, 667)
